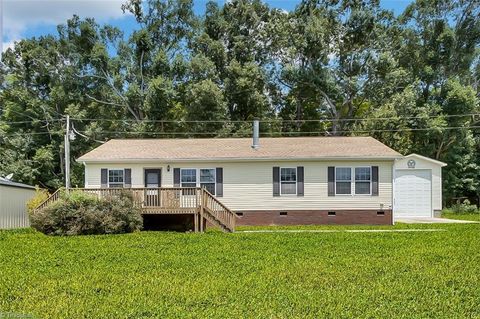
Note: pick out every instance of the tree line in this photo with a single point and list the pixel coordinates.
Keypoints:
(328, 67)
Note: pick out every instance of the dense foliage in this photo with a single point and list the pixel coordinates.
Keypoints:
(79, 213)
(40, 196)
(463, 208)
(329, 67)
(433, 274)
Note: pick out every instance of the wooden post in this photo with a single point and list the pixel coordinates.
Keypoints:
(195, 222)
(202, 202)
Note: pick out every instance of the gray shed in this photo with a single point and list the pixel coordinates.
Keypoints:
(13, 200)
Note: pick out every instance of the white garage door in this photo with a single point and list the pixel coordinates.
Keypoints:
(413, 193)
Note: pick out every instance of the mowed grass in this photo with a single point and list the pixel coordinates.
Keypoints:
(474, 217)
(244, 275)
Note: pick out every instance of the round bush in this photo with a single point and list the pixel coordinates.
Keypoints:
(79, 213)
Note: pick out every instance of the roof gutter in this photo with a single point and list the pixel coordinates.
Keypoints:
(240, 159)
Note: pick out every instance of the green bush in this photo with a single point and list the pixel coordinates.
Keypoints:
(462, 208)
(79, 213)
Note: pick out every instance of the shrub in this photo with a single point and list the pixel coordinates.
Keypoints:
(79, 213)
(463, 208)
(40, 196)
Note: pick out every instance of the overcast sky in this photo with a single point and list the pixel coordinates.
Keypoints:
(28, 18)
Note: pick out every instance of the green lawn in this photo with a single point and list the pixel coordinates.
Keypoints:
(244, 275)
(475, 217)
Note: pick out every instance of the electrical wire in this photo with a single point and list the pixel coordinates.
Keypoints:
(279, 120)
(292, 132)
(249, 121)
(25, 122)
(325, 133)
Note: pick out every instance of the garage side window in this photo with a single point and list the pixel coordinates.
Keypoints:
(343, 180)
(363, 180)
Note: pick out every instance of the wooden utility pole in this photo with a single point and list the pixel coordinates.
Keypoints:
(1, 30)
(67, 154)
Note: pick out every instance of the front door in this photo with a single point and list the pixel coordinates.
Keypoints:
(153, 179)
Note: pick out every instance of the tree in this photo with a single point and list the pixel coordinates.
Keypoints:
(334, 53)
(329, 67)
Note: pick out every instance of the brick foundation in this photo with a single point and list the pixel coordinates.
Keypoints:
(315, 217)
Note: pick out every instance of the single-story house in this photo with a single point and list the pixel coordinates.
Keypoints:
(13, 204)
(278, 181)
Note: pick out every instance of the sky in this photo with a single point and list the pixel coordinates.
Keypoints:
(20, 19)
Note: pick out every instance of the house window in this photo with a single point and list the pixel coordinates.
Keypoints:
(288, 180)
(363, 178)
(207, 179)
(343, 180)
(203, 177)
(115, 178)
(188, 177)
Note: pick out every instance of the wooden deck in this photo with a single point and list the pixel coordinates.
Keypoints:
(178, 200)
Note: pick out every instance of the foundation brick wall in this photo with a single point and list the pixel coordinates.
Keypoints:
(315, 217)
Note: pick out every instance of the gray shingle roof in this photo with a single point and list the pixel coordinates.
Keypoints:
(239, 149)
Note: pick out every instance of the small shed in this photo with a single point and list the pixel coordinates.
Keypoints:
(417, 187)
(13, 204)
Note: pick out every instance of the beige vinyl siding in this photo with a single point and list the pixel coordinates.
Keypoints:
(13, 212)
(248, 185)
(436, 170)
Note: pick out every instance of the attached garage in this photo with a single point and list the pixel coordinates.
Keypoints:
(417, 187)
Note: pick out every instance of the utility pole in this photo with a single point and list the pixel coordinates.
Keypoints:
(1, 30)
(67, 154)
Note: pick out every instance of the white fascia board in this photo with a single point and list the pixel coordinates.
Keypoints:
(428, 159)
(241, 159)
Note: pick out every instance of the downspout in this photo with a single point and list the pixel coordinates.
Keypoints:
(85, 175)
(393, 191)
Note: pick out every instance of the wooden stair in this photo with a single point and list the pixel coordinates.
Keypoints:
(215, 212)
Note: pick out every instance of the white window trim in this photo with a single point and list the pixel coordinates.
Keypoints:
(115, 169)
(197, 176)
(189, 168)
(214, 179)
(352, 181)
(370, 181)
(296, 181)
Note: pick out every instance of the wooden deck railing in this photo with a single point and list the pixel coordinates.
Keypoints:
(175, 200)
(212, 206)
(151, 198)
(52, 198)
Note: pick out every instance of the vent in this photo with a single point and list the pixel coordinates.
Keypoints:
(256, 134)
(381, 213)
(332, 213)
(239, 214)
(283, 213)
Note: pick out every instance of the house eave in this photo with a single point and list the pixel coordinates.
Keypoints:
(18, 185)
(241, 159)
(441, 164)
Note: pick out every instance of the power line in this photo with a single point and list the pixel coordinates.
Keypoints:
(25, 122)
(286, 133)
(247, 133)
(281, 120)
(30, 133)
(249, 121)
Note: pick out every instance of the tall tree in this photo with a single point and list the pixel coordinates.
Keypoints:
(335, 49)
